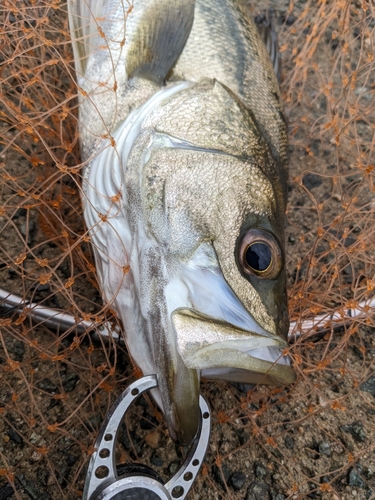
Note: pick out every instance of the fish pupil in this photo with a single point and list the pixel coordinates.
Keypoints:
(258, 256)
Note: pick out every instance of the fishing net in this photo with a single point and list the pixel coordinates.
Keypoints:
(315, 439)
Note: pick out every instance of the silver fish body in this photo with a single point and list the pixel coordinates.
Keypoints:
(184, 192)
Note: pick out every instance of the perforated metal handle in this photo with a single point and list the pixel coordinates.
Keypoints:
(102, 481)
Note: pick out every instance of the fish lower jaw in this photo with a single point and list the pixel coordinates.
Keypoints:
(220, 350)
(247, 367)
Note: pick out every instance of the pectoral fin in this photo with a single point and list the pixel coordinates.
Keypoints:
(160, 39)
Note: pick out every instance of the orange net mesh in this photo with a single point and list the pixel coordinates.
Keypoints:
(313, 440)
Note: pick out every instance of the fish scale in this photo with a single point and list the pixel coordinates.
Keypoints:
(224, 44)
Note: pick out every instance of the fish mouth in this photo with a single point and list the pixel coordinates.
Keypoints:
(212, 334)
(222, 350)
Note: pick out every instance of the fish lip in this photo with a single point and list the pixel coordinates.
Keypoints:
(205, 343)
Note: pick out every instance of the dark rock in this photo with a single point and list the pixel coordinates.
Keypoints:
(54, 402)
(260, 18)
(46, 385)
(14, 436)
(312, 451)
(40, 288)
(237, 480)
(320, 249)
(173, 467)
(313, 491)
(260, 470)
(358, 352)
(32, 489)
(325, 448)
(348, 274)
(17, 349)
(70, 382)
(71, 460)
(369, 410)
(6, 491)
(21, 212)
(243, 437)
(356, 430)
(323, 103)
(349, 445)
(94, 422)
(313, 495)
(354, 479)
(254, 407)
(349, 241)
(369, 385)
(311, 181)
(156, 460)
(148, 421)
(122, 362)
(368, 474)
(289, 442)
(64, 269)
(130, 442)
(315, 146)
(43, 475)
(326, 479)
(221, 475)
(334, 43)
(353, 179)
(258, 490)
(124, 438)
(277, 454)
(244, 388)
(63, 475)
(291, 19)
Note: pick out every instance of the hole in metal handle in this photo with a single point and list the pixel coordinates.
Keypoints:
(177, 492)
(102, 472)
(104, 453)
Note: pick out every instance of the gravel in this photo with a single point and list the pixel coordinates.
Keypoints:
(237, 480)
(369, 385)
(356, 430)
(258, 490)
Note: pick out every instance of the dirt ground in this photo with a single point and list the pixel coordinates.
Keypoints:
(315, 439)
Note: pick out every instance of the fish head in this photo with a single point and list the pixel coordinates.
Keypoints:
(213, 200)
(194, 193)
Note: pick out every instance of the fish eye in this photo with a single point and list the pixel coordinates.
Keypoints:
(260, 254)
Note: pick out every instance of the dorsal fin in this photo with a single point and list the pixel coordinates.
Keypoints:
(160, 38)
(269, 37)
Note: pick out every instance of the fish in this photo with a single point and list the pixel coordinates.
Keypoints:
(184, 190)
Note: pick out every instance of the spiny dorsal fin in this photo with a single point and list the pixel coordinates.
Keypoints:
(160, 38)
(269, 37)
